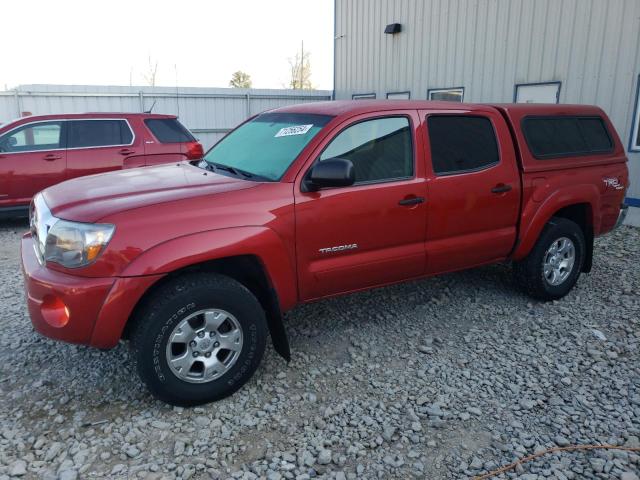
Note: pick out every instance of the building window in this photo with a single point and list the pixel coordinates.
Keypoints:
(398, 95)
(363, 96)
(446, 94)
(634, 142)
(547, 92)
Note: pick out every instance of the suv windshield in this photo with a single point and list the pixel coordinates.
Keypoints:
(267, 145)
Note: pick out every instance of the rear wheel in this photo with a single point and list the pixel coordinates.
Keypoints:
(554, 264)
(199, 338)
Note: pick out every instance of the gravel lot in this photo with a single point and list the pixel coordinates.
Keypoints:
(446, 377)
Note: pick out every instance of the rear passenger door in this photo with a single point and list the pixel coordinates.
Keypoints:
(100, 145)
(474, 189)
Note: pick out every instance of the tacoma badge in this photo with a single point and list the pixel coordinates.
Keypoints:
(339, 248)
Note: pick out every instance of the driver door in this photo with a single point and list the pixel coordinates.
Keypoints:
(372, 232)
(32, 158)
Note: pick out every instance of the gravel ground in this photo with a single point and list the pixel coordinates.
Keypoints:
(446, 377)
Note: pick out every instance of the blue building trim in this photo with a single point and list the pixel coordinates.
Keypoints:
(632, 202)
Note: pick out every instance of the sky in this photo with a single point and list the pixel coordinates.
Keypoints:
(200, 42)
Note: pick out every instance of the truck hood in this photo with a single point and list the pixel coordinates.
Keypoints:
(88, 199)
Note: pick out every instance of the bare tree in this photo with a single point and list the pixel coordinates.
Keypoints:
(240, 79)
(301, 71)
(150, 75)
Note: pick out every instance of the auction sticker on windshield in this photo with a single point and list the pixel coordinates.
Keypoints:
(294, 130)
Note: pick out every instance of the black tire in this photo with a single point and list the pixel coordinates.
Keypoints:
(529, 273)
(170, 305)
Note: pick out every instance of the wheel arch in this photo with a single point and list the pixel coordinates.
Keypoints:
(246, 269)
(254, 256)
(579, 203)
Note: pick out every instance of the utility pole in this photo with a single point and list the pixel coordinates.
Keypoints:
(302, 65)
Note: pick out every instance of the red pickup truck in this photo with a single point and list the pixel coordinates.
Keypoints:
(196, 263)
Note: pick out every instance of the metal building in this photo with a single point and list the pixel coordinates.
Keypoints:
(559, 51)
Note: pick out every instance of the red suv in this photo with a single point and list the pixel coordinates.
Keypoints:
(39, 151)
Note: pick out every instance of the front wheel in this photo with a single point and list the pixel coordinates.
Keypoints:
(554, 264)
(198, 339)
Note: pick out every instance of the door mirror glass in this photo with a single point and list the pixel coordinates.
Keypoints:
(333, 172)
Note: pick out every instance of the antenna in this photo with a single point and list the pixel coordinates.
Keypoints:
(302, 65)
(175, 67)
(151, 109)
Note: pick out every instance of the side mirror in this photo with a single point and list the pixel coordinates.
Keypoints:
(333, 172)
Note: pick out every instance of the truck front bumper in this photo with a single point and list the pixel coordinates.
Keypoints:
(75, 309)
(61, 306)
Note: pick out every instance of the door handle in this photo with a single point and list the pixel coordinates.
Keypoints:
(126, 151)
(50, 157)
(501, 188)
(411, 201)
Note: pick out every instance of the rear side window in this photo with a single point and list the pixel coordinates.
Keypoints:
(99, 133)
(562, 136)
(169, 130)
(461, 143)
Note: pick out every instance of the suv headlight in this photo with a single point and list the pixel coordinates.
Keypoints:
(71, 244)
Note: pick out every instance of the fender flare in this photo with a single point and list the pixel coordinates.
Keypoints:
(193, 249)
(535, 215)
(196, 248)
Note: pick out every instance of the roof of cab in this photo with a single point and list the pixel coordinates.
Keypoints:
(344, 107)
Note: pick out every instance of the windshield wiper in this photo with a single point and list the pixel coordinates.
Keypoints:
(220, 166)
(206, 165)
(213, 166)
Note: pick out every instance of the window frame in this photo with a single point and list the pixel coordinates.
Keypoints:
(445, 89)
(571, 154)
(133, 133)
(407, 92)
(634, 144)
(537, 84)
(63, 136)
(468, 170)
(369, 182)
(363, 96)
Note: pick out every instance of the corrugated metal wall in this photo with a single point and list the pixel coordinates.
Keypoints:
(208, 112)
(489, 46)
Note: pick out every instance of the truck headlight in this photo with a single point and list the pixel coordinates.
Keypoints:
(73, 244)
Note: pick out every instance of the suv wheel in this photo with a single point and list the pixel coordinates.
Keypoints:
(198, 339)
(552, 268)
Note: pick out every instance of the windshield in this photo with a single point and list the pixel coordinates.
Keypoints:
(267, 145)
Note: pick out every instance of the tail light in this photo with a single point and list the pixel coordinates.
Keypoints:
(194, 151)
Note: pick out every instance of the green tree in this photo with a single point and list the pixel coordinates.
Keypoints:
(240, 79)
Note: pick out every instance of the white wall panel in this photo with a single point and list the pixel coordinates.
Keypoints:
(489, 46)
